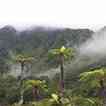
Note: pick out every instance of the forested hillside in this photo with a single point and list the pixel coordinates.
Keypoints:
(36, 42)
(52, 67)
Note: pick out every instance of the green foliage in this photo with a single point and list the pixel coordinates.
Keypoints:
(31, 83)
(96, 75)
(92, 78)
(72, 101)
(66, 52)
(23, 58)
(82, 101)
(9, 90)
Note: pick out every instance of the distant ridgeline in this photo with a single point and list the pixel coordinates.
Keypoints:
(36, 42)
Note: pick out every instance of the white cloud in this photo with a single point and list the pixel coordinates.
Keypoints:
(60, 13)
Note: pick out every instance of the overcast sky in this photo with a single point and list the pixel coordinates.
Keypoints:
(60, 13)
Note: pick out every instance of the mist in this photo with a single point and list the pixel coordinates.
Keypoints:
(89, 54)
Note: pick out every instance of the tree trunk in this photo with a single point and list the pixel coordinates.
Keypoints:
(102, 92)
(21, 83)
(35, 91)
(61, 74)
(101, 83)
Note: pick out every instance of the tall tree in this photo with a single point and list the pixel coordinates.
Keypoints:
(36, 86)
(61, 54)
(23, 61)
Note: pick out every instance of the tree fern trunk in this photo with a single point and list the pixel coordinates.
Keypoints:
(61, 73)
(35, 91)
(101, 84)
(21, 83)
